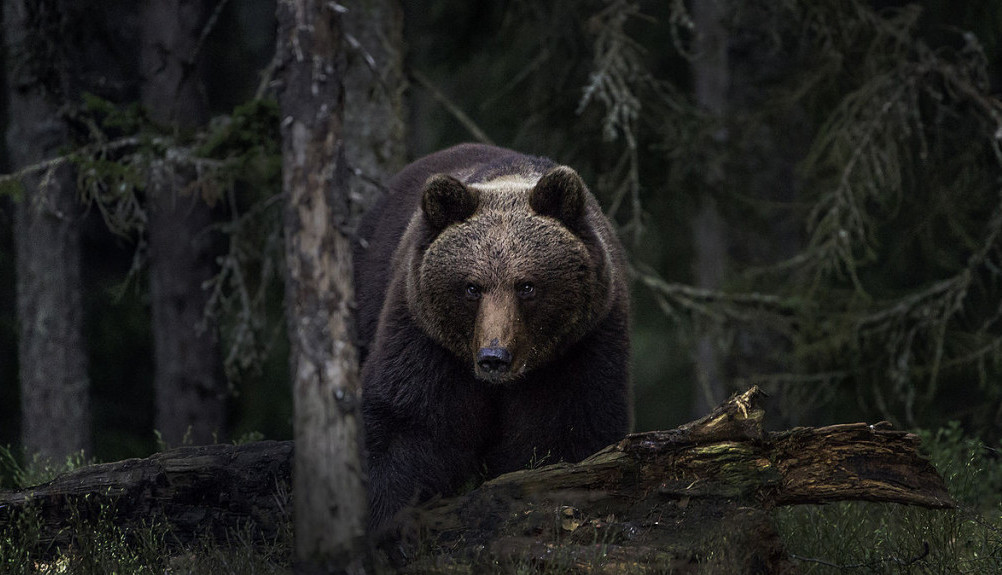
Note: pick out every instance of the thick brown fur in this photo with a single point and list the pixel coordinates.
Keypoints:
(480, 248)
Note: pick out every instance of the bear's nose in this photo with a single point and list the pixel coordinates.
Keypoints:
(494, 359)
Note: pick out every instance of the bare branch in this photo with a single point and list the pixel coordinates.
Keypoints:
(452, 108)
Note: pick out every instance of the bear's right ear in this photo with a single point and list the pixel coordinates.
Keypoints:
(446, 200)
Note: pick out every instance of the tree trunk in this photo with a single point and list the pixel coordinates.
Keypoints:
(711, 79)
(55, 392)
(374, 86)
(692, 498)
(190, 389)
(329, 482)
(745, 218)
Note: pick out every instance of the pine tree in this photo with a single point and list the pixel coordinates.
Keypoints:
(190, 389)
(55, 390)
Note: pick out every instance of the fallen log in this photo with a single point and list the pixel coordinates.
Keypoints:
(694, 497)
(697, 495)
(194, 491)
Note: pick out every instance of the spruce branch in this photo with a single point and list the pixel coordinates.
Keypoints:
(112, 177)
(87, 150)
(618, 76)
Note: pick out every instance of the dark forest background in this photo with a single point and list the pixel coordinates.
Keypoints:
(810, 192)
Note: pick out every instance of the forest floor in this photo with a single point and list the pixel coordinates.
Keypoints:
(848, 537)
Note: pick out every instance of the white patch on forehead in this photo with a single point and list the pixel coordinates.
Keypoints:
(507, 183)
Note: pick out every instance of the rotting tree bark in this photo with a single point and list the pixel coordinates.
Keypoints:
(652, 502)
(668, 499)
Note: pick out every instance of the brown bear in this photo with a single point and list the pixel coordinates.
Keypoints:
(492, 310)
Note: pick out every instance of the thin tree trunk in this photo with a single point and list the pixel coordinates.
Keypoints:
(55, 391)
(329, 485)
(711, 79)
(190, 390)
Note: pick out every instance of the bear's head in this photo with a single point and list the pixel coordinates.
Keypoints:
(509, 273)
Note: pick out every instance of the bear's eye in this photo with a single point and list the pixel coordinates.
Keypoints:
(472, 291)
(526, 290)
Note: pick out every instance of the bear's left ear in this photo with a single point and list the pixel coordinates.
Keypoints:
(559, 194)
(445, 200)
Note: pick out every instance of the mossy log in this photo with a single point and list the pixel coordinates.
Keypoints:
(690, 497)
(695, 497)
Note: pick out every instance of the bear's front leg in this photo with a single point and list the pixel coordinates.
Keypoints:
(569, 409)
(424, 436)
(407, 468)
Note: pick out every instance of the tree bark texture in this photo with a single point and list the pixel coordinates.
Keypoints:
(190, 388)
(55, 390)
(374, 86)
(172, 88)
(330, 498)
(695, 497)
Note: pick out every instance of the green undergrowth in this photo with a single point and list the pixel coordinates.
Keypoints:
(863, 537)
(97, 546)
(17, 473)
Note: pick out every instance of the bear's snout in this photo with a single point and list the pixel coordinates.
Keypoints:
(494, 359)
